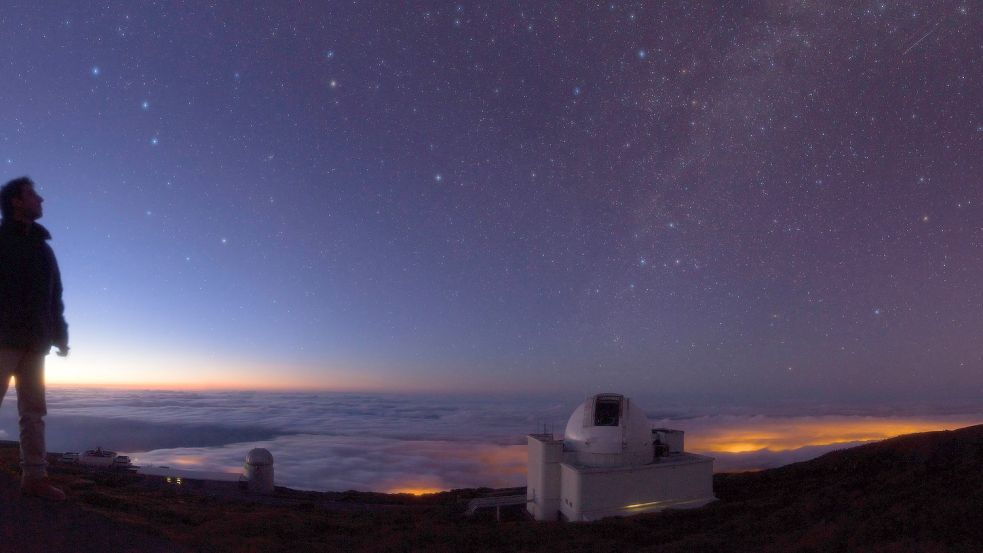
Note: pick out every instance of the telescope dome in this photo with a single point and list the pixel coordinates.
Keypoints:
(609, 430)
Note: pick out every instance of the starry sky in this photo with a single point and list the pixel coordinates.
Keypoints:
(728, 201)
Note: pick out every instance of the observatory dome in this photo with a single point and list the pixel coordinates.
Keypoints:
(259, 457)
(609, 430)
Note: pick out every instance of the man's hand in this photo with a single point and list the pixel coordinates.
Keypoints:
(62, 350)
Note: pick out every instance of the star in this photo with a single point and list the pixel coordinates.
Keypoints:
(145, 105)
(95, 71)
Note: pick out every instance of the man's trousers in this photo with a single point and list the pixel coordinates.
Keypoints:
(28, 369)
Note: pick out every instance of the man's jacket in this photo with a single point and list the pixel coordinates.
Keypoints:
(31, 311)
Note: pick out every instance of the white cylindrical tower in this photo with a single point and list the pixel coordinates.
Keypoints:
(259, 471)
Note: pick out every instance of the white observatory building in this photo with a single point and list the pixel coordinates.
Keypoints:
(611, 462)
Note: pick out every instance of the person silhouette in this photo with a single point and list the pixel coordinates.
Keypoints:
(31, 322)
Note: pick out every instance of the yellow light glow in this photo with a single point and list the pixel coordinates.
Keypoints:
(641, 505)
(189, 460)
(741, 447)
(415, 491)
(782, 434)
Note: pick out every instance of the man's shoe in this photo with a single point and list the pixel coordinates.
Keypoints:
(41, 487)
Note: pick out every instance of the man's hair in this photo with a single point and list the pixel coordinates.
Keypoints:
(13, 189)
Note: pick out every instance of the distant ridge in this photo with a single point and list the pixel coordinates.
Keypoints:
(919, 492)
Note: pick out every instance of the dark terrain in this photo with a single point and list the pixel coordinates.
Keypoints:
(921, 492)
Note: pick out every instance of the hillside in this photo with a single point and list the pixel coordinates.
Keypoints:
(920, 492)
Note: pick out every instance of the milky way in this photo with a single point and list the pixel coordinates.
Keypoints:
(733, 202)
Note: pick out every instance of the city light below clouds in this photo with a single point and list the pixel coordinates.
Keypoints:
(414, 489)
(416, 443)
(776, 434)
(423, 466)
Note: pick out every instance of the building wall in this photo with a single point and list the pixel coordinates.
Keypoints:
(590, 493)
(672, 438)
(543, 476)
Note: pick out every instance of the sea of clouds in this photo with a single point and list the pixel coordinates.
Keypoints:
(388, 442)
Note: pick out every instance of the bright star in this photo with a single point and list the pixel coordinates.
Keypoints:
(96, 71)
(154, 141)
(145, 105)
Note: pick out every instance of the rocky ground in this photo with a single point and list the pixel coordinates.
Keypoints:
(922, 492)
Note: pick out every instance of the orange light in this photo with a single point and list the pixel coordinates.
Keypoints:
(415, 491)
(189, 460)
(782, 434)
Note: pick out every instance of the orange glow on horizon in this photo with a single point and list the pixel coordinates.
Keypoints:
(138, 370)
(415, 491)
(142, 371)
(782, 434)
(189, 460)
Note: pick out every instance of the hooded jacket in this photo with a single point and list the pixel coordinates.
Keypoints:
(31, 310)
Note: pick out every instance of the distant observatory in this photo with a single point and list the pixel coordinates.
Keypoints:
(259, 471)
(611, 462)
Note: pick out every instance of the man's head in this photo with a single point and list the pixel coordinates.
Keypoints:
(19, 201)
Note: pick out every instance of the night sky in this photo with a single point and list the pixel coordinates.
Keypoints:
(734, 201)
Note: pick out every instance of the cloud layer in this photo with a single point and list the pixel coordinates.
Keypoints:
(337, 441)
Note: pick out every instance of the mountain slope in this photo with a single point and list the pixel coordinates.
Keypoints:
(921, 492)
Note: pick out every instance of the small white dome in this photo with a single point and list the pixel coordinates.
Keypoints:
(259, 456)
(609, 430)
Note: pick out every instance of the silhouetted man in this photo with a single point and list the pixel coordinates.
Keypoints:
(31, 321)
